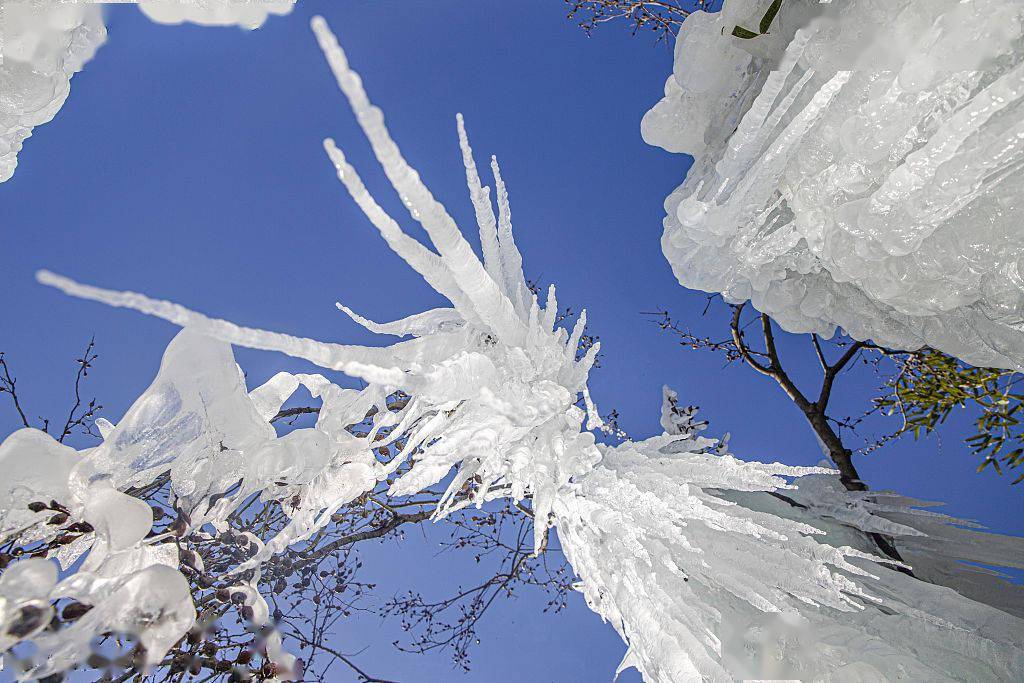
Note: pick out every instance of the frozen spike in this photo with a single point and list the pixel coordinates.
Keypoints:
(104, 426)
(587, 362)
(324, 354)
(577, 334)
(594, 420)
(511, 259)
(550, 309)
(422, 260)
(482, 206)
(418, 325)
(491, 305)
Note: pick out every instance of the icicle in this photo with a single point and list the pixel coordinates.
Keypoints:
(511, 259)
(428, 264)
(491, 305)
(484, 211)
(326, 355)
(419, 325)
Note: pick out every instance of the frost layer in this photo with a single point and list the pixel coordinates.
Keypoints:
(858, 166)
(706, 565)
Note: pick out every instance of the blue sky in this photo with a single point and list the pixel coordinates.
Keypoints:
(187, 164)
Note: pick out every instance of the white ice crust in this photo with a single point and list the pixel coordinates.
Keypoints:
(861, 165)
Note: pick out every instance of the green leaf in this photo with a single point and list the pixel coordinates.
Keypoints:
(769, 16)
(744, 33)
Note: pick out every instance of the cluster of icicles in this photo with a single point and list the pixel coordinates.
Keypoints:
(710, 568)
(43, 43)
(860, 165)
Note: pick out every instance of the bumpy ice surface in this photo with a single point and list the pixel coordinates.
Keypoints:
(859, 166)
(44, 45)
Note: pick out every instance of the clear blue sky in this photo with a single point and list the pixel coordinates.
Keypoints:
(187, 164)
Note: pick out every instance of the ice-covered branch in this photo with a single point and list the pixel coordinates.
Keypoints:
(708, 566)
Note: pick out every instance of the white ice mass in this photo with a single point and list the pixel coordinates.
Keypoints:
(247, 14)
(861, 165)
(43, 43)
(710, 568)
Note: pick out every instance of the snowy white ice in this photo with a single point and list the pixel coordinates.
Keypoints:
(43, 43)
(709, 567)
(859, 165)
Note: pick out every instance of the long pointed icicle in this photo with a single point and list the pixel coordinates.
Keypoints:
(324, 354)
(482, 206)
(425, 262)
(491, 304)
(511, 259)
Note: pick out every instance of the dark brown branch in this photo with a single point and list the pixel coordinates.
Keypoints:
(363, 676)
(661, 16)
(393, 523)
(7, 385)
(776, 366)
(395, 406)
(819, 352)
(292, 412)
(741, 346)
(74, 420)
(832, 370)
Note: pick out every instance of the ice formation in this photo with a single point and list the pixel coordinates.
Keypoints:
(248, 14)
(708, 566)
(860, 166)
(43, 43)
(715, 569)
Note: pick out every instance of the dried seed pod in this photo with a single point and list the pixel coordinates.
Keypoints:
(29, 619)
(74, 610)
(58, 518)
(97, 661)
